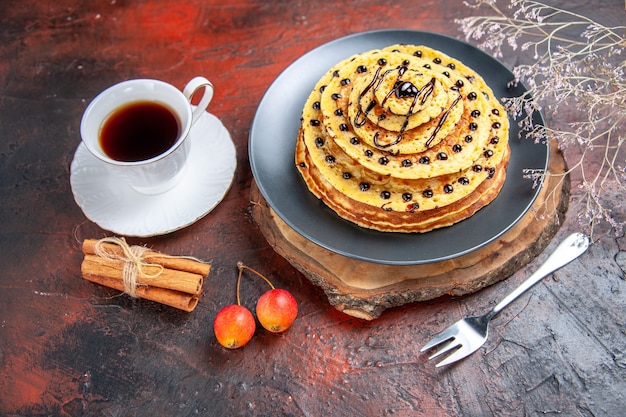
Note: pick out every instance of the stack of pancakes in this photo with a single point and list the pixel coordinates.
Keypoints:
(403, 139)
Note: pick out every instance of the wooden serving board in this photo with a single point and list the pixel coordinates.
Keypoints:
(362, 289)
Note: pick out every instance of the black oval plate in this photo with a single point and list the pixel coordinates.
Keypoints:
(273, 137)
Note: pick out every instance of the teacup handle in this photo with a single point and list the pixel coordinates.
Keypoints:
(190, 90)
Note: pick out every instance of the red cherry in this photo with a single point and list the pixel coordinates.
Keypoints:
(234, 326)
(276, 310)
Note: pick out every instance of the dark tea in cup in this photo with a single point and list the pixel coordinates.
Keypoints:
(139, 131)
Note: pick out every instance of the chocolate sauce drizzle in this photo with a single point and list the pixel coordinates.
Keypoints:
(360, 113)
(402, 89)
(442, 121)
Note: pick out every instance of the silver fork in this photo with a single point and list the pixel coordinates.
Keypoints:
(465, 336)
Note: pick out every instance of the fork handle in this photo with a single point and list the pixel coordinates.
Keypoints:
(571, 248)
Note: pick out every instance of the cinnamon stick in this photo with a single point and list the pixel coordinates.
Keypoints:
(95, 266)
(171, 262)
(171, 280)
(180, 300)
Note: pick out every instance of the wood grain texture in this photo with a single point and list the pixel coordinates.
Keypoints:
(72, 348)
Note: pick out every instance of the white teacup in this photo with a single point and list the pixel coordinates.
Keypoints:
(158, 173)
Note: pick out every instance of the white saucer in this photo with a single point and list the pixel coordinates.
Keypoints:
(122, 210)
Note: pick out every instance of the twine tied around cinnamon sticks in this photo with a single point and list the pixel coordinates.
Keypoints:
(140, 272)
(134, 262)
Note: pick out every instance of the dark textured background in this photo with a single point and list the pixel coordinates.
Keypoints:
(71, 348)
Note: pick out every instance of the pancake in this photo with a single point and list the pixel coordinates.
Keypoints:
(403, 139)
(408, 221)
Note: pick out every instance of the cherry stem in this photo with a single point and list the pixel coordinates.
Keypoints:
(238, 282)
(241, 267)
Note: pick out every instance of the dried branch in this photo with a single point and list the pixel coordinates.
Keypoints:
(579, 80)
